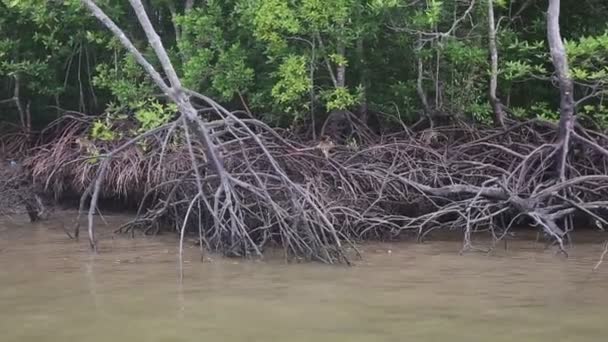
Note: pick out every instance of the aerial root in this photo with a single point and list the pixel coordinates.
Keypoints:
(280, 192)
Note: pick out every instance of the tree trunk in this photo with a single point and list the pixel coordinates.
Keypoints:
(225, 202)
(499, 119)
(566, 87)
(176, 27)
(326, 58)
(313, 51)
(363, 106)
(420, 87)
(23, 113)
(188, 5)
(173, 91)
(419, 83)
(341, 71)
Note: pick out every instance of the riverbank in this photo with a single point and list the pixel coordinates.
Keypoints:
(316, 200)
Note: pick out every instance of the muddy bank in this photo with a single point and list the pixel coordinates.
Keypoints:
(316, 200)
(17, 193)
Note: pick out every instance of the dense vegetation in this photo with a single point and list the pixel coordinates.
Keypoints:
(475, 115)
(293, 62)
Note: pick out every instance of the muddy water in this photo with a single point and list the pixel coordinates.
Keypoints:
(55, 290)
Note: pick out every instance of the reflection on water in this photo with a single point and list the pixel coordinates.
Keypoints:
(55, 290)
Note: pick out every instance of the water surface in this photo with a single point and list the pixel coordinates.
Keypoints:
(56, 290)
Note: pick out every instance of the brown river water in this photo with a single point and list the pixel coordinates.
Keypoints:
(56, 290)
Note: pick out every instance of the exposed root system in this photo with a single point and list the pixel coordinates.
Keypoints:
(313, 201)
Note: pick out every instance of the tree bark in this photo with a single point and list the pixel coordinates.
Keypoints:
(363, 106)
(176, 27)
(420, 87)
(23, 116)
(330, 69)
(157, 45)
(188, 5)
(341, 70)
(566, 87)
(313, 51)
(173, 90)
(499, 114)
(426, 108)
(226, 202)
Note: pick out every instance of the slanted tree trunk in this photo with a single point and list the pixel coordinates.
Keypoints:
(338, 121)
(330, 69)
(223, 191)
(173, 90)
(499, 114)
(566, 87)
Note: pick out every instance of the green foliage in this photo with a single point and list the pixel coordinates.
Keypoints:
(339, 99)
(525, 59)
(272, 19)
(197, 68)
(588, 57)
(146, 115)
(232, 74)
(210, 61)
(464, 55)
(324, 15)
(598, 113)
(104, 127)
(40, 42)
(279, 56)
(514, 70)
(338, 59)
(432, 14)
(151, 114)
(520, 113)
(125, 80)
(102, 130)
(292, 84)
(543, 111)
(481, 112)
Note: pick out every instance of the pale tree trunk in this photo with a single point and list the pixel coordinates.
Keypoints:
(24, 114)
(330, 69)
(363, 107)
(426, 108)
(176, 28)
(25, 118)
(313, 52)
(499, 115)
(566, 87)
(188, 5)
(341, 70)
(173, 90)
(226, 201)
(420, 86)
